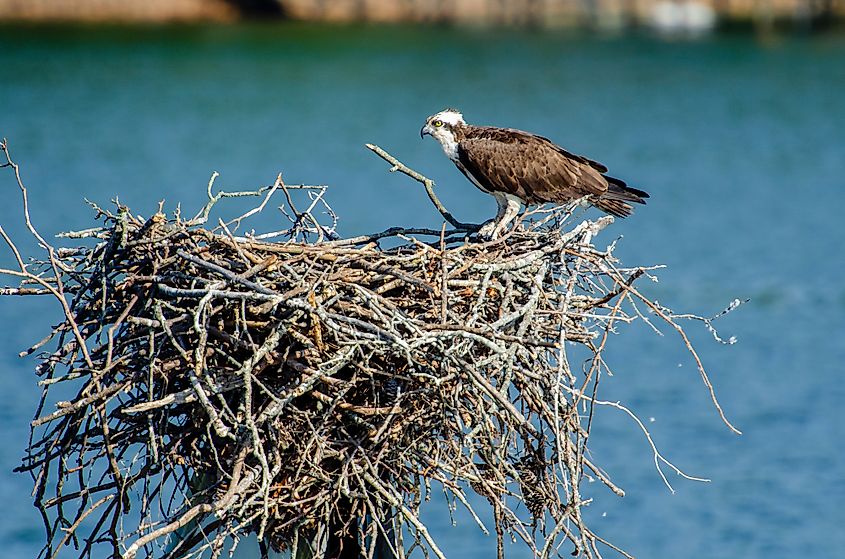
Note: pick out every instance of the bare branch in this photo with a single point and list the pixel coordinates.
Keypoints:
(427, 183)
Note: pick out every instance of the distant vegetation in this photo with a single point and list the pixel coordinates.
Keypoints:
(663, 14)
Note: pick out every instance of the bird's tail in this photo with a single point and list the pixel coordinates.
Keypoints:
(614, 207)
(614, 200)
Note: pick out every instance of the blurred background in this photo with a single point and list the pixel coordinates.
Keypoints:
(729, 112)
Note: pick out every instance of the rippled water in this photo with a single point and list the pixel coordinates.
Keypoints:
(740, 143)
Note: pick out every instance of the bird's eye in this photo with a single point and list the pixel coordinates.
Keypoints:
(438, 123)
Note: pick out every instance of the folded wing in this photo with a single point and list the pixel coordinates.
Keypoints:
(528, 166)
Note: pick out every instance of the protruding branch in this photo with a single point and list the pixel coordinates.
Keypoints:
(429, 188)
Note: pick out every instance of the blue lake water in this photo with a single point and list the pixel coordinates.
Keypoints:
(739, 141)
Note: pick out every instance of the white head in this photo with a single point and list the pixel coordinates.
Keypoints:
(441, 127)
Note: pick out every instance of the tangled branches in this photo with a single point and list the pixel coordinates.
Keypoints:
(311, 391)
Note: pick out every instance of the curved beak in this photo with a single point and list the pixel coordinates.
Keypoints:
(425, 130)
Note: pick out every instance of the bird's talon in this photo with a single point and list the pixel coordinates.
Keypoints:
(487, 230)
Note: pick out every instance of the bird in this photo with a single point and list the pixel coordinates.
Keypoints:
(520, 168)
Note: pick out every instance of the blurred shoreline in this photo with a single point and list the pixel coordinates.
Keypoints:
(669, 15)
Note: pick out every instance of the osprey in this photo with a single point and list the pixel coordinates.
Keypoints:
(518, 167)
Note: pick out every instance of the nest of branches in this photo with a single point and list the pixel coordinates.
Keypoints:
(311, 389)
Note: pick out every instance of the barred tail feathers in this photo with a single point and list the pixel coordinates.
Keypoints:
(614, 207)
(613, 201)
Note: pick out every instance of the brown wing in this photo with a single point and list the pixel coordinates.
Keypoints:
(528, 166)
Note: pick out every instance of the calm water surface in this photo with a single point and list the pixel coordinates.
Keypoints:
(740, 143)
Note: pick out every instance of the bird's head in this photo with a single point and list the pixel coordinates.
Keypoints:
(441, 126)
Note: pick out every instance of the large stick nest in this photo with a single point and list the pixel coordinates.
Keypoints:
(311, 390)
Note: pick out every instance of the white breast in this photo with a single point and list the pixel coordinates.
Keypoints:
(450, 147)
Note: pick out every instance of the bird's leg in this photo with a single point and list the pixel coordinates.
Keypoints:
(510, 211)
(489, 227)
